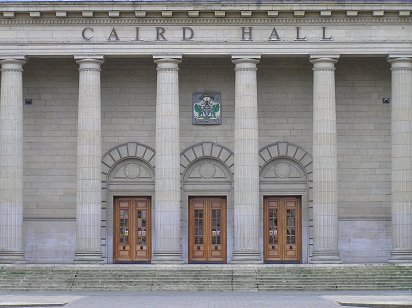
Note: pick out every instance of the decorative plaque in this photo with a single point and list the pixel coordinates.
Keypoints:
(207, 109)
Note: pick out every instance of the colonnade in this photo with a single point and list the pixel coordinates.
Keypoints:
(167, 188)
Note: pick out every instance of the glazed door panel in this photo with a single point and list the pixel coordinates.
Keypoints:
(132, 230)
(123, 224)
(207, 230)
(272, 230)
(282, 229)
(217, 230)
(291, 246)
(197, 229)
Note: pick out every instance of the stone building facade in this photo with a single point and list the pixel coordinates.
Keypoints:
(101, 162)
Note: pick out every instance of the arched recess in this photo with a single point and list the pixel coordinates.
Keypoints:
(127, 170)
(207, 170)
(287, 169)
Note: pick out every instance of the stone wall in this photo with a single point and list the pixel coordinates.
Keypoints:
(285, 101)
(364, 241)
(128, 102)
(49, 241)
(364, 137)
(50, 138)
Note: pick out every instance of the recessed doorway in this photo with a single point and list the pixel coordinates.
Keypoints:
(132, 229)
(207, 230)
(282, 230)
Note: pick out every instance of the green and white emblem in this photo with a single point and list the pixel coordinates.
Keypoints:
(207, 108)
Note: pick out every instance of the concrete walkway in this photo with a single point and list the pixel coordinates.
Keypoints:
(206, 299)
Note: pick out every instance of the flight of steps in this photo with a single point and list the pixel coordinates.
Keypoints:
(205, 277)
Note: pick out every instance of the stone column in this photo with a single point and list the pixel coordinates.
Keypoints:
(325, 203)
(88, 210)
(246, 174)
(401, 159)
(167, 187)
(11, 161)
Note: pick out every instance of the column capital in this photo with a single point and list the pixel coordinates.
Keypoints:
(400, 62)
(245, 62)
(167, 62)
(89, 63)
(88, 57)
(324, 63)
(12, 63)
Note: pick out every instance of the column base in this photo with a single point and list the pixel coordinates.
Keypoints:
(326, 257)
(401, 256)
(246, 257)
(11, 257)
(167, 257)
(88, 257)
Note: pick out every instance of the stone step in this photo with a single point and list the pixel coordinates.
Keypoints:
(153, 277)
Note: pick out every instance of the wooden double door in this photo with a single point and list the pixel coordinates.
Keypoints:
(132, 229)
(207, 230)
(282, 229)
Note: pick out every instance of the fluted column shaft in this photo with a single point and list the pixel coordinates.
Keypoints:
(167, 187)
(246, 173)
(11, 161)
(88, 210)
(401, 159)
(325, 203)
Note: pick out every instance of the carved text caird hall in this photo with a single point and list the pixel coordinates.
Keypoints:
(186, 132)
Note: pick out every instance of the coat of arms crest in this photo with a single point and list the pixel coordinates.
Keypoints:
(207, 108)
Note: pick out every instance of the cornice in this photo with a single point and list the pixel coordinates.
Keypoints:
(205, 21)
(196, 9)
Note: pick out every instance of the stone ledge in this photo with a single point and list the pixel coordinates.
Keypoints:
(36, 301)
(380, 301)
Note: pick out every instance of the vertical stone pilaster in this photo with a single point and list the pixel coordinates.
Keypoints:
(167, 247)
(246, 174)
(401, 251)
(325, 203)
(88, 209)
(11, 161)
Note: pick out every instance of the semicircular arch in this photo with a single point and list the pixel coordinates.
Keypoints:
(129, 150)
(206, 150)
(286, 150)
